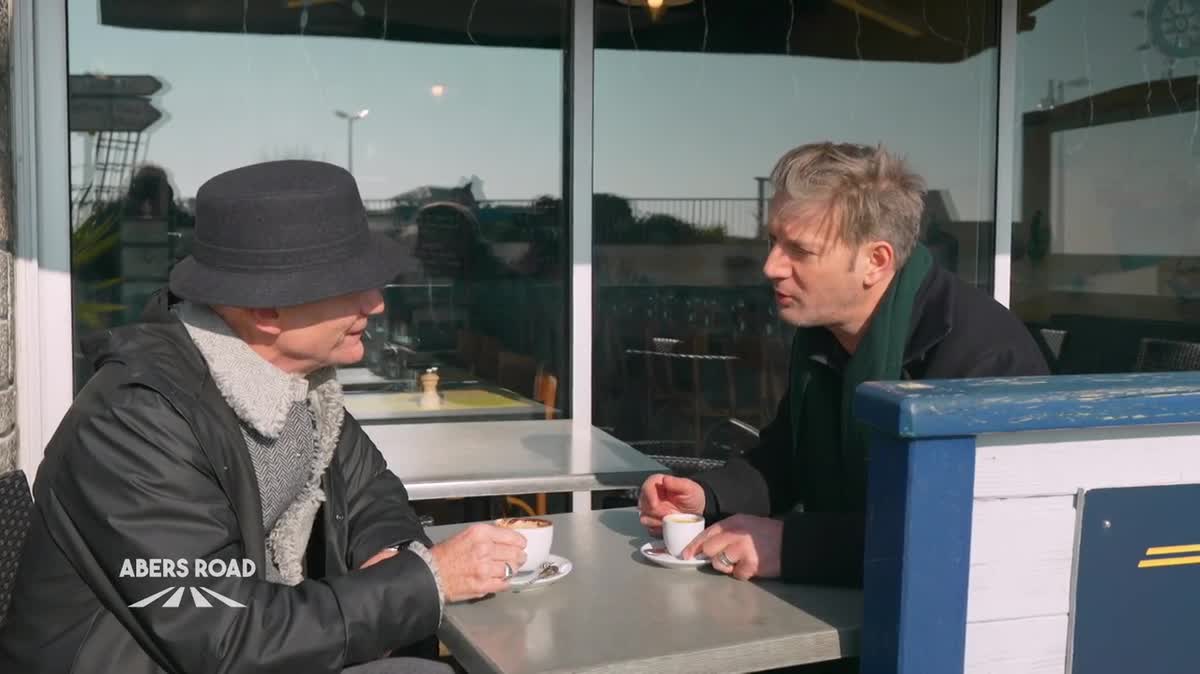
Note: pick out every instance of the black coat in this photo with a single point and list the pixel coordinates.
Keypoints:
(957, 332)
(150, 462)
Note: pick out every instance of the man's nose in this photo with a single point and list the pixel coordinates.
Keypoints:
(775, 266)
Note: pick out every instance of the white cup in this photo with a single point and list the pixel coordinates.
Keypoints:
(538, 533)
(679, 529)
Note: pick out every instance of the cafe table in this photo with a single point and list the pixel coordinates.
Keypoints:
(479, 401)
(497, 458)
(616, 612)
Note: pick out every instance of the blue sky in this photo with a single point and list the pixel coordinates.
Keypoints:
(667, 124)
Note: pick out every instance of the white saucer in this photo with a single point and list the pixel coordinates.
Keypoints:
(522, 581)
(656, 552)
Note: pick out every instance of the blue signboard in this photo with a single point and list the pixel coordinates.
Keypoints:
(1137, 590)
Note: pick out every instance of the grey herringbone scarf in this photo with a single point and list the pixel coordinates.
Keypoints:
(290, 424)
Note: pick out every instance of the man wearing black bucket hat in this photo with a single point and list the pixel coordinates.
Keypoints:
(207, 505)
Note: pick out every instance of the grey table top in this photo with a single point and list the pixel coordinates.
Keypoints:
(616, 612)
(493, 458)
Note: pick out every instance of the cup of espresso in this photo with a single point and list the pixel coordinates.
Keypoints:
(679, 529)
(538, 533)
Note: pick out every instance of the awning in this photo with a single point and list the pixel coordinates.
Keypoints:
(931, 31)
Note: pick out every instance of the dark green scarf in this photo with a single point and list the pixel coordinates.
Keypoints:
(829, 450)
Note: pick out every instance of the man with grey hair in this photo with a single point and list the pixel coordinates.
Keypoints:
(207, 504)
(869, 304)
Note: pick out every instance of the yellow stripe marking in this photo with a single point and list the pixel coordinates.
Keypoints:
(1172, 550)
(1170, 561)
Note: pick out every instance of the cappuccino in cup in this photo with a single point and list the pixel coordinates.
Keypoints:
(522, 523)
(538, 533)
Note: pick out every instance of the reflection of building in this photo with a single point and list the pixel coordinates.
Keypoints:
(1100, 262)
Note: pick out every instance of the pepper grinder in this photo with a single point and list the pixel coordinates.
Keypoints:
(430, 400)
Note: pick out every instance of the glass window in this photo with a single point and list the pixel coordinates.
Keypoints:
(449, 115)
(1106, 247)
(695, 101)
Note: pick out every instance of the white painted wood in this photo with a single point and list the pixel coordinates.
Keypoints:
(1027, 646)
(1023, 530)
(1049, 463)
(1021, 552)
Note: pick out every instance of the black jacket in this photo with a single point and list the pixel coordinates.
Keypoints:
(150, 463)
(957, 332)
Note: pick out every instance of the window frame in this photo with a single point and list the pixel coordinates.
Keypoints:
(43, 352)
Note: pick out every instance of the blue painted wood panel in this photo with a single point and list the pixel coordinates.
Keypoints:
(960, 407)
(918, 550)
(1137, 596)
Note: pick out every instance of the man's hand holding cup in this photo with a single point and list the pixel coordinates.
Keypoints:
(662, 495)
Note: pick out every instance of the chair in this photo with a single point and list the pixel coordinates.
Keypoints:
(1167, 355)
(545, 391)
(467, 349)
(488, 364)
(16, 510)
(730, 437)
(517, 372)
(1054, 340)
(675, 379)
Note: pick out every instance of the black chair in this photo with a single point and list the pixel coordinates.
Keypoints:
(16, 510)
(728, 438)
(1054, 340)
(1167, 355)
(1051, 342)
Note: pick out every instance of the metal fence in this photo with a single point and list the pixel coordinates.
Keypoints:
(738, 216)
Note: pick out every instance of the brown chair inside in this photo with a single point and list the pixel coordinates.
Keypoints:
(467, 349)
(545, 391)
(517, 372)
(487, 365)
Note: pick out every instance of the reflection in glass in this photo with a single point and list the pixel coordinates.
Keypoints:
(1106, 247)
(694, 104)
(450, 120)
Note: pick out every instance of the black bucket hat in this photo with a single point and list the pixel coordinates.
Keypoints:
(282, 233)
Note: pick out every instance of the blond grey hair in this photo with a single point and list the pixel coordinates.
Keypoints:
(866, 193)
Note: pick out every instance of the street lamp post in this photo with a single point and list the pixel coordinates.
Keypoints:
(351, 118)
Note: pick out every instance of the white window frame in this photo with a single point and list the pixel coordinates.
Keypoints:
(42, 282)
(42, 263)
(1006, 139)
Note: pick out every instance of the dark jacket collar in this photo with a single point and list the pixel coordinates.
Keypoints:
(933, 315)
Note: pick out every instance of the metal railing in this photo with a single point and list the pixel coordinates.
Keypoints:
(737, 216)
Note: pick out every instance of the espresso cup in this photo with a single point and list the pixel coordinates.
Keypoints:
(538, 533)
(679, 529)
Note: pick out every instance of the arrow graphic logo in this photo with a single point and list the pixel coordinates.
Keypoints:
(176, 598)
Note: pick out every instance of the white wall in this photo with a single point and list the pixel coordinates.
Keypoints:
(1023, 531)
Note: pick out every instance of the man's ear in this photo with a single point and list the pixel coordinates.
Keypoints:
(881, 263)
(266, 321)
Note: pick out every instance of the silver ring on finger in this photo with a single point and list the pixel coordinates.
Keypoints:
(725, 560)
(508, 571)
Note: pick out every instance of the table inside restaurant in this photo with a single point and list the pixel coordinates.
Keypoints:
(496, 458)
(373, 399)
(617, 612)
